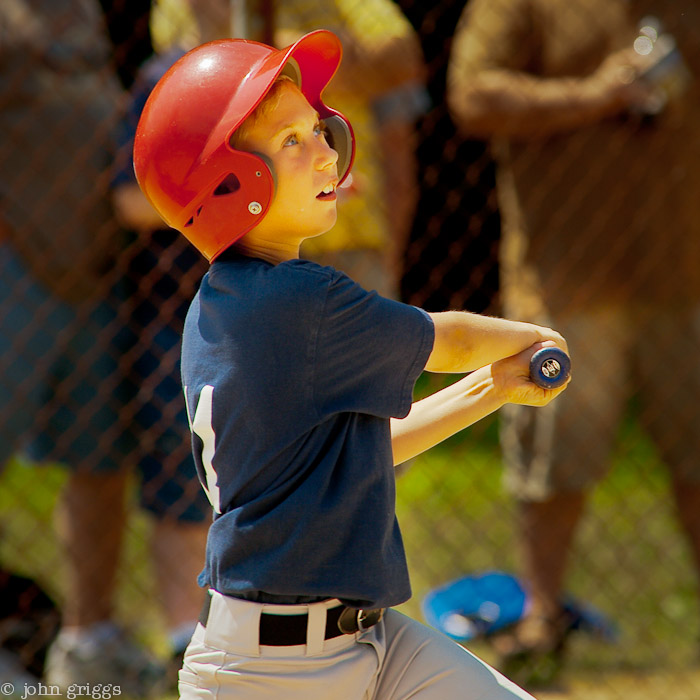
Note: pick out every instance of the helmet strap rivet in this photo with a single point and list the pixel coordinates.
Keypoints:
(258, 173)
(255, 207)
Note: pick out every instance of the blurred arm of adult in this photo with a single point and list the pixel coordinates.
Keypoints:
(133, 210)
(491, 92)
(372, 66)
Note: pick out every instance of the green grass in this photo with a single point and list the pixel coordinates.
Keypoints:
(27, 541)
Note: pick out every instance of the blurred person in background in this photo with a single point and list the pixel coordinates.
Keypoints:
(591, 108)
(450, 257)
(73, 391)
(59, 99)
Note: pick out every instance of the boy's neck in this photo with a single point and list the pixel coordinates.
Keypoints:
(273, 254)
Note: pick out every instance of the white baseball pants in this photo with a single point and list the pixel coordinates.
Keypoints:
(397, 658)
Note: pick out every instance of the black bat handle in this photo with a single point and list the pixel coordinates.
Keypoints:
(550, 368)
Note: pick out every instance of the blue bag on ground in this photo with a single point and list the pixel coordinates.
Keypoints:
(481, 604)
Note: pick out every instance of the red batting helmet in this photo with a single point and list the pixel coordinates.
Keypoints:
(184, 163)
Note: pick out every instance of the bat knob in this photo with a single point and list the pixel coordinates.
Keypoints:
(550, 368)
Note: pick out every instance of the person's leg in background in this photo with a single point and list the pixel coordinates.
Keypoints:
(178, 554)
(93, 518)
(547, 530)
(91, 646)
(180, 521)
(90, 504)
(553, 457)
(87, 428)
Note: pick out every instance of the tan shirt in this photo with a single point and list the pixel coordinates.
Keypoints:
(603, 212)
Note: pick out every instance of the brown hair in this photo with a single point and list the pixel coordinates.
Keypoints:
(268, 103)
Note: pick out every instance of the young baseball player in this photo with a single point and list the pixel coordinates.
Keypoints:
(299, 391)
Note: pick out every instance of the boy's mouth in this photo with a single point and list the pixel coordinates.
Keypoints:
(328, 192)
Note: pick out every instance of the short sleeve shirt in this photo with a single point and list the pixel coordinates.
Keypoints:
(291, 373)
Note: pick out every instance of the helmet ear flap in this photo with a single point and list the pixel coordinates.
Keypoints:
(341, 140)
(241, 195)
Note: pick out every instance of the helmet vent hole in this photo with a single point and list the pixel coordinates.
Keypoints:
(228, 185)
(191, 219)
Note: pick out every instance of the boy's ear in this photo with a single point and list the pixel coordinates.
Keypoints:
(268, 164)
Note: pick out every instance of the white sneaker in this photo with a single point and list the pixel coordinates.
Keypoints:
(112, 659)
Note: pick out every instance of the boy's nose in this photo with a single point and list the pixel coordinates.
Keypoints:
(327, 156)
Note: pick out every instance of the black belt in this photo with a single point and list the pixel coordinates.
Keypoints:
(290, 630)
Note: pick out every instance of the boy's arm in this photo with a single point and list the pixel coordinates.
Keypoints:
(466, 341)
(446, 412)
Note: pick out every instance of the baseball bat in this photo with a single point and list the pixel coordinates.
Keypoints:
(550, 368)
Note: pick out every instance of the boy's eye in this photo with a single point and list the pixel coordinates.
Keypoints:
(321, 128)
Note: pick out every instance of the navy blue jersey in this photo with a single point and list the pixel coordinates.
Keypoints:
(291, 374)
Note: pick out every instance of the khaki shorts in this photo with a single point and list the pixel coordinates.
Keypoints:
(617, 354)
(397, 658)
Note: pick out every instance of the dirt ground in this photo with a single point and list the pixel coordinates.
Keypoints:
(630, 686)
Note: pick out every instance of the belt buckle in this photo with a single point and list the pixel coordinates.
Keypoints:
(352, 620)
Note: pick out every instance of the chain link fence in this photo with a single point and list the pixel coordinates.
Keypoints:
(589, 225)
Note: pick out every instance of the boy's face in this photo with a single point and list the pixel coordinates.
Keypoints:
(305, 166)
